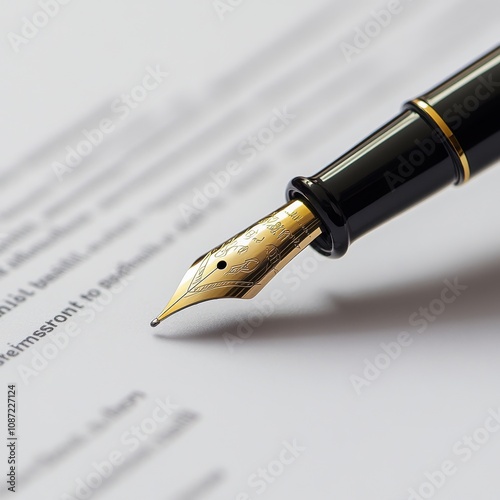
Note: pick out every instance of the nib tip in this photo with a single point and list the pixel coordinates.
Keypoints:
(155, 322)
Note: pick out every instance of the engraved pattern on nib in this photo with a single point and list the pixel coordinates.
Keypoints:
(243, 265)
(273, 256)
(247, 267)
(199, 284)
(198, 277)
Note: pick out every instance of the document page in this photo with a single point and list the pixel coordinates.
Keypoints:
(135, 138)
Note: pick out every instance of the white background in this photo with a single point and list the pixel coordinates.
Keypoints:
(292, 378)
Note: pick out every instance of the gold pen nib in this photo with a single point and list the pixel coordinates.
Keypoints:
(243, 265)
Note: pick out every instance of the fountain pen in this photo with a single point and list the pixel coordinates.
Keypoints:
(444, 137)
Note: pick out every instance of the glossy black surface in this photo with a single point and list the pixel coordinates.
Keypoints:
(398, 166)
(406, 160)
(469, 103)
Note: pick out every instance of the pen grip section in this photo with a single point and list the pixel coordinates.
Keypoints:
(396, 167)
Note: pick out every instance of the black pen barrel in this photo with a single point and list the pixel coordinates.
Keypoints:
(469, 103)
(444, 137)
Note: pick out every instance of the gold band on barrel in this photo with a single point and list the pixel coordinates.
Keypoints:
(448, 133)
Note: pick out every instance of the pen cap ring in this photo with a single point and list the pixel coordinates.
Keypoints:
(465, 109)
(334, 240)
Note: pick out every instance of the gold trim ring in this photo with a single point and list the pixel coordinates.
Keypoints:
(450, 136)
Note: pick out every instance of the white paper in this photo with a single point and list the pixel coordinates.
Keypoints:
(205, 111)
